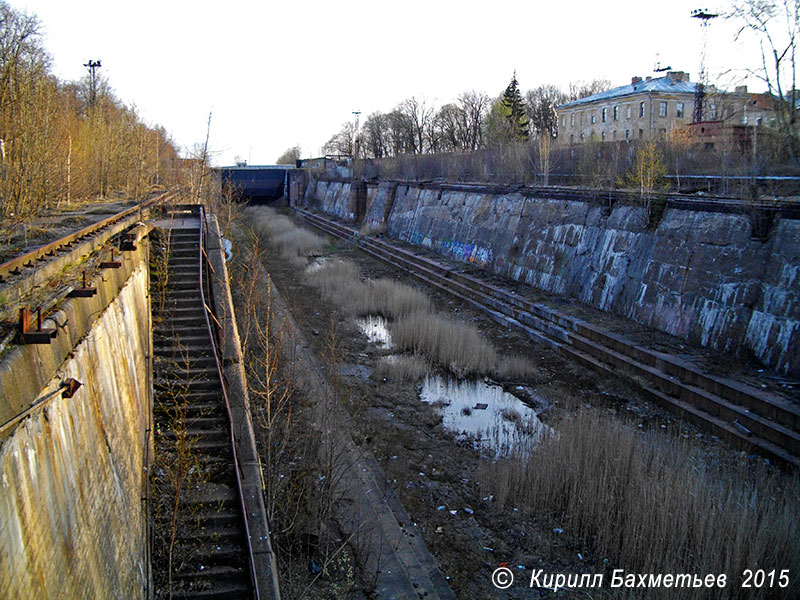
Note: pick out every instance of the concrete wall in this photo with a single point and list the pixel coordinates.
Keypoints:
(71, 513)
(698, 275)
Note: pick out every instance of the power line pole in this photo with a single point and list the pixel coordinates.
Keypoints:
(91, 66)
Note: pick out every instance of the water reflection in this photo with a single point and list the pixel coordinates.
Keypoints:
(374, 327)
(494, 419)
(316, 264)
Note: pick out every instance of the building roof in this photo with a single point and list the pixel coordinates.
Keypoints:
(660, 84)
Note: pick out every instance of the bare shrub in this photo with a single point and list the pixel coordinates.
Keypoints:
(648, 502)
(453, 345)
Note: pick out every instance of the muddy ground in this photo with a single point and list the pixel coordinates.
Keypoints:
(436, 472)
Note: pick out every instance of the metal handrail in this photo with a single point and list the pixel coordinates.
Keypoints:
(234, 448)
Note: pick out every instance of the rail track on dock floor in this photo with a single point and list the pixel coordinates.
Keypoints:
(200, 528)
(745, 415)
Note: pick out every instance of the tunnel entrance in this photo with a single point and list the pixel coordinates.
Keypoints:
(257, 184)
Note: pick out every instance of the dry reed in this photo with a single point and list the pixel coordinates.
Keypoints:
(403, 368)
(453, 345)
(647, 502)
(291, 241)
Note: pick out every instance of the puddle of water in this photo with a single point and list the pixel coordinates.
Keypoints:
(376, 330)
(316, 264)
(494, 419)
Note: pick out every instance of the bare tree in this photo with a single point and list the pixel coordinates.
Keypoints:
(541, 105)
(475, 106)
(583, 89)
(776, 25)
(342, 142)
(376, 135)
(289, 157)
(417, 116)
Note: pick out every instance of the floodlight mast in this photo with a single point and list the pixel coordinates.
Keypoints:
(91, 66)
(704, 16)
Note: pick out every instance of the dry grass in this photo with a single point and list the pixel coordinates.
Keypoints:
(291, 241)
(647, 502)
(340, 283)
(513, 368)
(453, 345)
(394, 300)
(402, 368)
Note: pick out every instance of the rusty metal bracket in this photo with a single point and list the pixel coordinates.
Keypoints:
(70, 386)
(112, 264)
(83, 292)
(127, 242)
(38, 336)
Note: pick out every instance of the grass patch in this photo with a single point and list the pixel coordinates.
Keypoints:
(513, 368)
(458, 347)
(647, 502)
(402, 368)
(294, 243)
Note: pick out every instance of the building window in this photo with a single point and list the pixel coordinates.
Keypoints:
(605, 112)
(713, 110)
(641, 109)
(662, 131)
(662, 109)
(627, 134)
(641, 133)
(571, 138)
(582, 120)
(572, 120)
(679, 110)
(581, 135)
(594, 118)
(628, 111)
(614, 135)
(616, 113)
(603, 136)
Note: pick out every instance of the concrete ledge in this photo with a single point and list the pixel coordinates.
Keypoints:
(233, 370)
(27, 369)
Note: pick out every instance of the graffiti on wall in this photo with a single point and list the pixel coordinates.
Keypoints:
(470, 253)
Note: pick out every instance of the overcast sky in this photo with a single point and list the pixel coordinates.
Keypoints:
(276, 74)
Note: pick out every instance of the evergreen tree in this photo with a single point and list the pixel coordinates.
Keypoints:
(514, 111)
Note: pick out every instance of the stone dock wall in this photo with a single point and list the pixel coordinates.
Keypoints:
(72, 522)
(699, 274)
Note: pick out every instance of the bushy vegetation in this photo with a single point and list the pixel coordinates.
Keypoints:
(65, 140)
(650, 502)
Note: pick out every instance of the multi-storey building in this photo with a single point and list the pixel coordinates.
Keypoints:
(654, 107)
(642, 110)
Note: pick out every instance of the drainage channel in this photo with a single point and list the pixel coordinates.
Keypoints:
(740, 413)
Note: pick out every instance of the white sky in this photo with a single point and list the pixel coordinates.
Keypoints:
(276, 74)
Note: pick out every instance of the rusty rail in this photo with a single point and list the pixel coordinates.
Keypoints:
(204, 277)
(32, 258)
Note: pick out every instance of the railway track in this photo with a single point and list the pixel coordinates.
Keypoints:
(201, 545)
(38, 276)
(34, 259)
(742, 414)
